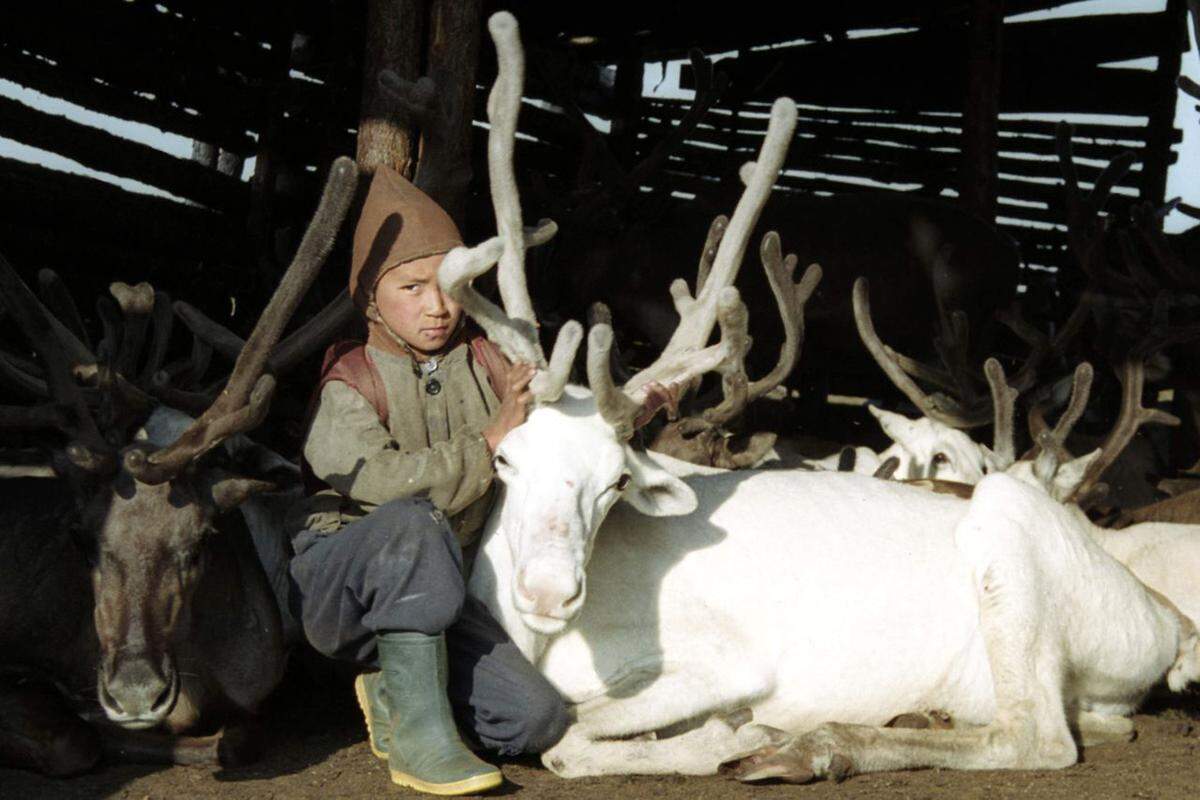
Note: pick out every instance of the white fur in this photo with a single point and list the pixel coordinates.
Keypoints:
(924, 447)
(1163, 555)
(805, 597)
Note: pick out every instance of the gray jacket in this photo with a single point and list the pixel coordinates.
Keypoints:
(431, 447)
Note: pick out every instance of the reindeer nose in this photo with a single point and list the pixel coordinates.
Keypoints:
(139, 690)
(548, 592)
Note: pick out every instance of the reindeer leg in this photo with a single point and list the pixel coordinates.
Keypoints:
(231, 746)
(651, 697)
(40, 732)
(1094, 728)
(695, 752)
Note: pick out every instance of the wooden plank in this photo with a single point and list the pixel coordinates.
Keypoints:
(56, 80)
(673, 27)
(947, 121)
(105, 152)
(701, 184)
(831, 135)
(1039, 73)
(885, 163)
(204, 85)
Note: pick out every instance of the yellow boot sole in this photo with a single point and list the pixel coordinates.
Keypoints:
(475, 785)
(360, 691)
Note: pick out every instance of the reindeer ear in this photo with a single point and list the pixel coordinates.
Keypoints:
(1070, 475)
(230, 491)
(898, 427)
(991, 461)
(654, 491)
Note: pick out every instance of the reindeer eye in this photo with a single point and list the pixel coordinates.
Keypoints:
(500, 461)
(623, 481)
(941, 459)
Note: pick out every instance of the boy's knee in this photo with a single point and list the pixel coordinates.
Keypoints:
(545, 721)
(414, 554)
(413, 529)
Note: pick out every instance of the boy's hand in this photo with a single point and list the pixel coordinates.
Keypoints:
(514, 405)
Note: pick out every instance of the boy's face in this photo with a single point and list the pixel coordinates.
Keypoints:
(412, 304)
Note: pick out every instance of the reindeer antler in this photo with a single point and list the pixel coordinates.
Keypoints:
(89, 451)
(685, 355)
(936, 406)
(513, 328)
(1133, 415)
(791, 298)
(1004, 399)
(244, 401)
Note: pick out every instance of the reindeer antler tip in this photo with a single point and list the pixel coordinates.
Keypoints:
(501, 23)
(343, 167)
(728, 298)
(783, 108)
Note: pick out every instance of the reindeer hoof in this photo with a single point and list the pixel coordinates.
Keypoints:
(801, 759)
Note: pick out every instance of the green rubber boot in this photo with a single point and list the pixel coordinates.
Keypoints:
(424, 750)
(368, 688)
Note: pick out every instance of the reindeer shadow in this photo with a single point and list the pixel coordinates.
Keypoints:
(645, 556)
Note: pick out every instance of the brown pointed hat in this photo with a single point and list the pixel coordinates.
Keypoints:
(399, 223)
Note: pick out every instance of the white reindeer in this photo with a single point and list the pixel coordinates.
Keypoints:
(798, 597)
(921, 448)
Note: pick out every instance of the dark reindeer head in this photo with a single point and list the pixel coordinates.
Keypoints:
(150, 514)
(151, 552)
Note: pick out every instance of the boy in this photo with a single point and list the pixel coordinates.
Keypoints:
(402, 440)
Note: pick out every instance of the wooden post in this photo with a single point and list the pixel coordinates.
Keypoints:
(394, 36)
(627, 111)
(978, 172)
(1162, 109)
(454, 30)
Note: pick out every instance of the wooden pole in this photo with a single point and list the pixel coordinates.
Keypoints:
(394, 37)
(454, 31)
(627, 110)
(978, 173)
(1162, 110)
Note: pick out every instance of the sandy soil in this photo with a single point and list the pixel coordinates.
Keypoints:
(315, 748)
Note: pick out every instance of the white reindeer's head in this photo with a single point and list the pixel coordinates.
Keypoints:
(562, 471)
(927, 448)
(566, 466)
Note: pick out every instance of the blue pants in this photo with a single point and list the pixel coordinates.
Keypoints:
(400, 569)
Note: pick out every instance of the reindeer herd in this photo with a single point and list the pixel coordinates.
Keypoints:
(710, 603)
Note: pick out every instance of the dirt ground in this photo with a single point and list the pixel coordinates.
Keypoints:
(315, 748)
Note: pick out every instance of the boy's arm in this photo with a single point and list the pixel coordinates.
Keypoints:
(350, 449)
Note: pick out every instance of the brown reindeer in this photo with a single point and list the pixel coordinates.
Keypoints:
(186, 631)
(704, 436)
